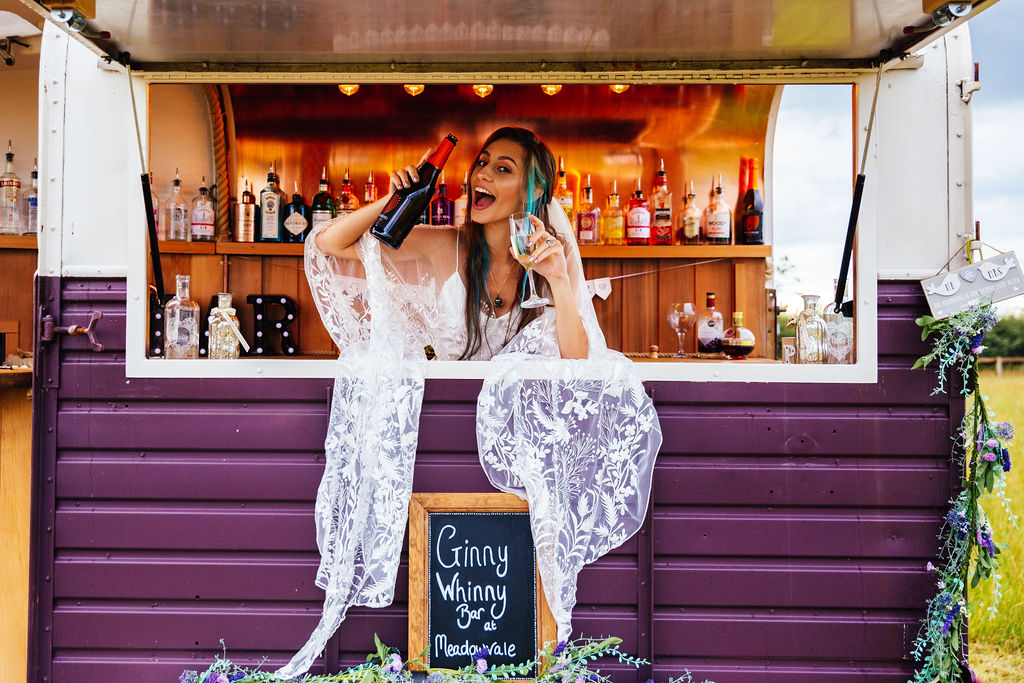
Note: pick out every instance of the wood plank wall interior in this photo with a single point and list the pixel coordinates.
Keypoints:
(16, 295)
(15, 513)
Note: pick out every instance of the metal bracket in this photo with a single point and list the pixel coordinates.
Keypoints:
(968, 88)
(49, 329)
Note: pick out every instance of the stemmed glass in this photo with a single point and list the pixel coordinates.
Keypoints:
(522, 227)
(680, 318)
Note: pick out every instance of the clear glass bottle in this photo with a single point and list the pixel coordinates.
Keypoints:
(370, 191)
(588, 218)
(347, 200)
(563, 195)
(710, 330)
(181, 323)
(323, 202)
(661, 209)
(10, 197)
(839, 334)
(177, 213)
(810, 332)
(245, 219)
(272, 201)
(461, 203)
(223, 326)
(738, 341)
(202, 214)
(31, 203)
(613, 221)
(718, 219)
(689, 220)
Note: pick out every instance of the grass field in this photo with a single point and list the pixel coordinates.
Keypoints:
(999, 653)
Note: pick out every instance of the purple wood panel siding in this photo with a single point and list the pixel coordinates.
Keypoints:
(787, 541)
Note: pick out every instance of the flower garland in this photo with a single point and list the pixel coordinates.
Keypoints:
(967, 553)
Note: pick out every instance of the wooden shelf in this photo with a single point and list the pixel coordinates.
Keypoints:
(18, 242)
(176, 247)
(261, 248)
(683, 251)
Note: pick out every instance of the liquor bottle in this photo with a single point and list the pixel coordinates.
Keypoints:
(752, 231)
(563, 195)
(296, 222)
(272, 199)
(181, 323)
(223, 328)
(588, 218)
(370, 191)
(441, 205)
(347, 200)
(461, 203)
(406, 204)
(710, 329)
(10, 197)
(31, 203)
(661, 208)
(202, 215)
(638, 219)
(718, 219)
(613, 222)
(689, 220)
(323, 202)
(737, 341)
(245, 226)
(177, 213)
(741, 193)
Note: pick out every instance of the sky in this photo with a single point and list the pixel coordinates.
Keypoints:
(812, 171)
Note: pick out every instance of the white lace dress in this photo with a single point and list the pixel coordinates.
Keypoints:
(579, 445)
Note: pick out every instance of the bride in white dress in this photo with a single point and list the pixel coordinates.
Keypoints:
(579, 445)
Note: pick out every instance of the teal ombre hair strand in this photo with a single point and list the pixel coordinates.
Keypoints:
(535, 180)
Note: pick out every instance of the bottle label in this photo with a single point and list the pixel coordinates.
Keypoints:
(246, 223)
(460, 210)
(709, 336)
(718, 226)
(614, 229)
(565, 201)
(179, 221)
(639, 225)
(587, 230)
(202, 221)
(296, 224)
(320, 217)
(663, 216)
(752, 226)
(268, 216)
(441, 214)
(691, 227)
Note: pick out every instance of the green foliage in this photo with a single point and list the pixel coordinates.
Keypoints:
(1006, 338)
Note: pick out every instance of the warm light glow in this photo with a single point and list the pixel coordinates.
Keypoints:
(349, 88)
(551, 89)
(414, 89)
(619, 88)
(483, 89)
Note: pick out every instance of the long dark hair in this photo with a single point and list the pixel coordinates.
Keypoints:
(539, 174)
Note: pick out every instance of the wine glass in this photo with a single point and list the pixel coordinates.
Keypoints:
(522, 227)
(680, 319)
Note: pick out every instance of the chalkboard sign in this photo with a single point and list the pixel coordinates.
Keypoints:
(473, 580)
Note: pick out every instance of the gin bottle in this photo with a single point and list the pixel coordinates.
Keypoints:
(31, 204)
(810, 332)
(177, 213)
(347, 200)
(10, 197)
(245, 225)
(223, 326)
(181, 323)
(296, 225)
(718, 219)
(613, 221)
(323, 202)
(588, 218)
(563, 195)
(710, 330)
(441, 206)
(661, 208)
(689, 221)
(272, 200)
(202, 215)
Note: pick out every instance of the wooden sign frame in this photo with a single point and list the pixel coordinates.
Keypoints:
(420, 507)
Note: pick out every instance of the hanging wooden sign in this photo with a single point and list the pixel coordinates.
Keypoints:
(473, 580)
(994, 279)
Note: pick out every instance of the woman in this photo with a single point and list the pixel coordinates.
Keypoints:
(514, 171)
(579, 445)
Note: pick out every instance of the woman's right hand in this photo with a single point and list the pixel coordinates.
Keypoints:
(404, 177)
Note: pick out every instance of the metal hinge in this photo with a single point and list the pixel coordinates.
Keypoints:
(48, 329)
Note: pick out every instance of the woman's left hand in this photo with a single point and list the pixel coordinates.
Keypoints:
(548, 254)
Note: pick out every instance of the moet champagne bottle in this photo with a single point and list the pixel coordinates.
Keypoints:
(406, 204)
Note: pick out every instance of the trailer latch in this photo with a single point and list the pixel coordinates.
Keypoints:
(49, 329)
(968, 88)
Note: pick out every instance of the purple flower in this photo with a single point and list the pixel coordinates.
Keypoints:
(558, 648)
(1004, 430)
(1006, 460)
(221, 678)
(957, 519)
(947, 623)
(237, 677)
(991, 443)
(930, 567)
(189, 676)
(989, 455)
(481, 653)
(394, 663)
(435, 677)
(481, 665)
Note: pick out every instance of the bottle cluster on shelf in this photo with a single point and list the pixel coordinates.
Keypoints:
(19, 206)
(185, 219)
(643, 221)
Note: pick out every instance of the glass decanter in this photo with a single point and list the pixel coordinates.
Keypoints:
(223, 326)
(181, 323)
(738, 341)
(810, 332)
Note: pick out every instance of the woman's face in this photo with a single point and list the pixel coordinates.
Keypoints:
(497, 181)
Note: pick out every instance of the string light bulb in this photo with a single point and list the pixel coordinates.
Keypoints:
(349, 89)
(414, 89)
(619, 88)
(483, 89)
(551, 88)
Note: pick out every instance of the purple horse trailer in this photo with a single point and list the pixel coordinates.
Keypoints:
(794, 507)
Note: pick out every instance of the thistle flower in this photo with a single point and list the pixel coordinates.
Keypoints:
(1004, 430)
(1006, 460)
(188, 676)
(957, 519)
(435, 677)
(992, 443)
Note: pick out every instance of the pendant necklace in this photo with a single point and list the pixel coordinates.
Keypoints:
(498, 301)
